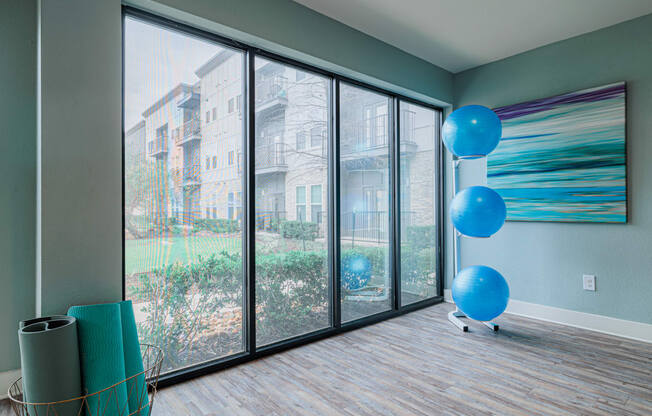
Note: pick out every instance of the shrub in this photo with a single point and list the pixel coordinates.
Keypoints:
(218, 225)
(300, 230)
(180, 300)
(419, 237)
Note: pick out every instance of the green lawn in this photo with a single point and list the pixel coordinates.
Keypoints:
(151, 253)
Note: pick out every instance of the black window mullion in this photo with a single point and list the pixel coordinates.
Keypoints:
(250, 218)
(440, 204)
(395, 234)
(334, 201)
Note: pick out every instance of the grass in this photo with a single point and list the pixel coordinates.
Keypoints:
(151, 253)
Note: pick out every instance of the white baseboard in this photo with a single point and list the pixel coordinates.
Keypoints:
(638, 331)
(6, 379)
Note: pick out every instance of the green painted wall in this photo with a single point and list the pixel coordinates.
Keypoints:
(292, 30)
(17, 171)
(544, 262)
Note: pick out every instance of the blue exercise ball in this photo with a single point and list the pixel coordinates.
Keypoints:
(480, 292)
(356, 271)
(478, 211)
(471, 131)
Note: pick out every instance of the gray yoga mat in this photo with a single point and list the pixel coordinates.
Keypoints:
(49, 359)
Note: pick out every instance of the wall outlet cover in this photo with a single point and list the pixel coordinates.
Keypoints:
(588, 282)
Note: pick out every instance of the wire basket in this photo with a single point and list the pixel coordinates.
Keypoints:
(80, 406)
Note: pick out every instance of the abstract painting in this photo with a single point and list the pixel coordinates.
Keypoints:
(563, 158)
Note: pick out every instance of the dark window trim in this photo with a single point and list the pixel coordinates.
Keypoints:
(251, 351)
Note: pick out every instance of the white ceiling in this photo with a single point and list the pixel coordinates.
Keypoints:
(461, 34)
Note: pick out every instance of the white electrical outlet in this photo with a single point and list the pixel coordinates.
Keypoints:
(588, 282)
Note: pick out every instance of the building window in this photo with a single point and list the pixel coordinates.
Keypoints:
(214, 162)
(301, 140)
(230, 205)
(315, 204)
(231, 105)
(238, 103)
(208, 117)
(214, 113)
(316, 137)
(301, 203)
(208, 163)
(231, 158)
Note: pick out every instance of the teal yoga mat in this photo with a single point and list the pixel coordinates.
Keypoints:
(136, 387)
(49, 359)
(102, 357)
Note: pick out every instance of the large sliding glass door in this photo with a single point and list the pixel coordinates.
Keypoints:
(291, 181)
(365, 138)
(267, 203)
(419, 201)
(183, 185)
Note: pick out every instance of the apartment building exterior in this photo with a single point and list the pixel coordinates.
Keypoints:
(194, 143)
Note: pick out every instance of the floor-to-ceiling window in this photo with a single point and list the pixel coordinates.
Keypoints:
(366, 287)
(418, 166)
(267, 202)
(183, 239)
(291, 177)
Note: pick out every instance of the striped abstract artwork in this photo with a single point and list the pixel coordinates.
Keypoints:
(563, 158)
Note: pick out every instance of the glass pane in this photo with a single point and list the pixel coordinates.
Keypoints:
(292, 283)
(364, 202)
(418, 169)
(183, 267)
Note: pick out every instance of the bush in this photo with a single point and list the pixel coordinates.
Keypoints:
(300, 230)
(419, 237)
(181, 299)
(218, 225)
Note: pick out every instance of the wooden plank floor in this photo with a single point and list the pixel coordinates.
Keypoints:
(419, 364)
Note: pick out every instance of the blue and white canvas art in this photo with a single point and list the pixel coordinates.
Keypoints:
(563, 158)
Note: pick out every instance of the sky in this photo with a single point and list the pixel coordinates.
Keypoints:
(156, 60)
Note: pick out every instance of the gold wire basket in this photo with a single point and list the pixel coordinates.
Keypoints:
(80, 406)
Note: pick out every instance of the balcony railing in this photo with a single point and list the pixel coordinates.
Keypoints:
(271, 156)
(158, 146)
(373, 133)
(270, 90)
(190, 130)
(370, 225)
(269, 220)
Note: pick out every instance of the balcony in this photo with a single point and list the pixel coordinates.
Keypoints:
(192, 175)
(370, 138)
(270, 158)
(187, 133)
(190, 100)
(158, 147)
(271, 93)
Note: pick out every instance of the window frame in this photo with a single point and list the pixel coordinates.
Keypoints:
(251, 351)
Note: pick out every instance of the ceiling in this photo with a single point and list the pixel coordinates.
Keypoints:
(461, 34)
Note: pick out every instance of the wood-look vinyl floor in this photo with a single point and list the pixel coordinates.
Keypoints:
(419, 364)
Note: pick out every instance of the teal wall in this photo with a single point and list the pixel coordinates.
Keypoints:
(544, 262)
(17, 171)
(79, 193)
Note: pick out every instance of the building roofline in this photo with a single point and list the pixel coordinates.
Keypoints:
(217, 59)
(180, 88)
(136, 126)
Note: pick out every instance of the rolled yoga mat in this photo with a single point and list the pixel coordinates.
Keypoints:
(136, 387)
(102, 357)
(49, 359)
